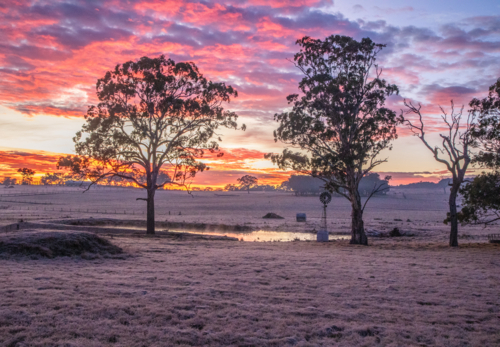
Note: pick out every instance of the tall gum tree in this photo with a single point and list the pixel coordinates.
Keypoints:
(154, 117)
(339, 124)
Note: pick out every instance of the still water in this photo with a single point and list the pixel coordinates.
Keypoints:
(267, 236)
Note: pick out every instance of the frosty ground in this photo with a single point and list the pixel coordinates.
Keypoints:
(406, 291)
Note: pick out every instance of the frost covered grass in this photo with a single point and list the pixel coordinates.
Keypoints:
(55, 244)
(396, 292)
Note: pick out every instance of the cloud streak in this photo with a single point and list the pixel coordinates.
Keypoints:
(49, 47)
(52, 52)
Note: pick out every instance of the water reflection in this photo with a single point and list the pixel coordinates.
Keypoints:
(267, 236)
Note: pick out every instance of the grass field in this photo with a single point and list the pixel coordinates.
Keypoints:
(407, 291)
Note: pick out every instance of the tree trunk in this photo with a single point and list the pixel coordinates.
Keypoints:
(358, 236)
(150, 212)
(453, 215)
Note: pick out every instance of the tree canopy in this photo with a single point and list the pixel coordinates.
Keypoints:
(481, 200)
(306, 185)
(52, 178)
(481, 197)
(246, 182)
(338, 123)
(487, 129)
(154, 116)
(27, 174)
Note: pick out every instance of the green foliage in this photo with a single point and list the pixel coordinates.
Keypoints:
(481, 202)
(481, 199)
(339, 123)
(487, 129)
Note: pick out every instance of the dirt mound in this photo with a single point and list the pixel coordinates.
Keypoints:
(57, 244)
(271, 215)
(395, 233)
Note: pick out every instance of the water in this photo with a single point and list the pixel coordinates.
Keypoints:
(266, 236)
(254, 236)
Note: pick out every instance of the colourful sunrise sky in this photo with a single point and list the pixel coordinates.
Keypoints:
(52, 53)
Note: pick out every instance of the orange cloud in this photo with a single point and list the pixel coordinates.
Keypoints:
(52, 53)
(40, 161)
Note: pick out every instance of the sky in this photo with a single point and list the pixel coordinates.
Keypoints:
(53, 52)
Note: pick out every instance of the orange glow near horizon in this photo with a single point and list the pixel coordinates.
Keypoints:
(224, 170)
(53, 52)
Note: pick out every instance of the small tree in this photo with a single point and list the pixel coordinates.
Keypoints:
(52, 178)
(8, 181)
(154, 115)
(230, 187)
(340, 120)
(246, 182)
(27, 175)
(455, 152)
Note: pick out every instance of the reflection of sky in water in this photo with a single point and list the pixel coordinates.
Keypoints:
(266, 236)
(255, 236)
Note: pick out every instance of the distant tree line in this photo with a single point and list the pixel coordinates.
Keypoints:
(308, 185)
(250, 183)
(442, 184)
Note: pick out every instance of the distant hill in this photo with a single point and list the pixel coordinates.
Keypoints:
(427, 185)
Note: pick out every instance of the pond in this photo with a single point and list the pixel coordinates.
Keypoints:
(266, 236)
(252, 236)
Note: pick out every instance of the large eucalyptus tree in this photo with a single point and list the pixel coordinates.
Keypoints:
(339, 123)
(154, 117)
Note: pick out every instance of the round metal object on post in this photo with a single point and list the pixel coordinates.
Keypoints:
(325, 198)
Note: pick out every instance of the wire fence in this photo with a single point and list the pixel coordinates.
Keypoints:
(79, 210)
